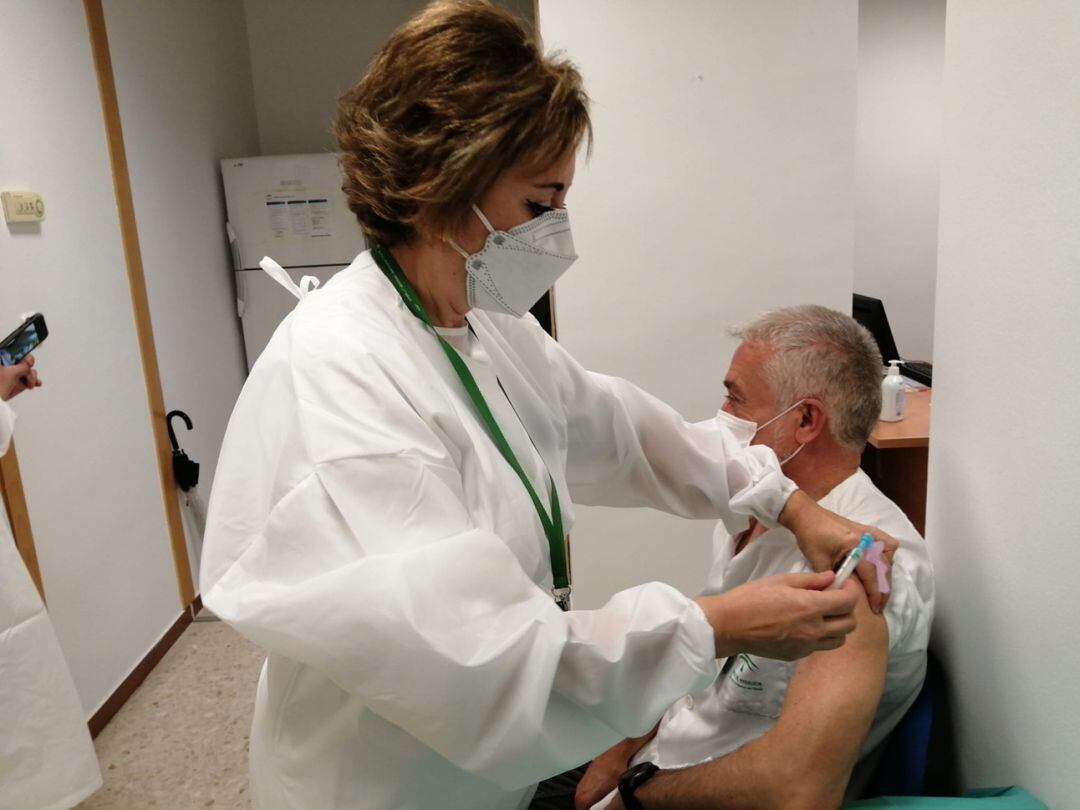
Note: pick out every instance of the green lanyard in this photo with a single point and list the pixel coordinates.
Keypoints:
(553, 526)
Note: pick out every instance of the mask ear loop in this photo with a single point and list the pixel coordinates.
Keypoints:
(479, 213)
(801, 446)
(786, 410)
(456, 247)
(789, 458)
(483, 219)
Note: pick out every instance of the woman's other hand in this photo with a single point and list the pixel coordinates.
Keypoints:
(602, 775)
(825, 538)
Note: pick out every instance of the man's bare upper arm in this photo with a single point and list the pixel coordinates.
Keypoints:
(805, 759)
(830, 704)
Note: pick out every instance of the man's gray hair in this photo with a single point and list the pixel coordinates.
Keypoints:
(824, 354)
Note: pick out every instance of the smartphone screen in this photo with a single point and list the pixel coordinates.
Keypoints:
(22, 341)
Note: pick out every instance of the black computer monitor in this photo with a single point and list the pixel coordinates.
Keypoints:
(870, 312)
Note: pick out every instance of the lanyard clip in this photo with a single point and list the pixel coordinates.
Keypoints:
(562, 597)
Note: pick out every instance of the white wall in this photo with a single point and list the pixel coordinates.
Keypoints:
(181, 116)
(1001, 523)
(897, 156)
(305, 55)
(721, 185)
(84, 440)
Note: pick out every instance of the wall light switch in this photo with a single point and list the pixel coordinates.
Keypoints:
(22, 206)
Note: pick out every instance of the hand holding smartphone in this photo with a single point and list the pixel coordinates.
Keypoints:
(28, 336)
(17, 372)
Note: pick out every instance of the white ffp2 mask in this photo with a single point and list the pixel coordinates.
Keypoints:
(515, 268)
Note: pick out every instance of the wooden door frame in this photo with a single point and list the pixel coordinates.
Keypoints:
(129, 235)
(11, 489)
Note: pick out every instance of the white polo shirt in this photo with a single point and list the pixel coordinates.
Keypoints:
(745, 701)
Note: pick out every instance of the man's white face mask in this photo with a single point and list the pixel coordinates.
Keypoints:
(515, 268)
(746, 430)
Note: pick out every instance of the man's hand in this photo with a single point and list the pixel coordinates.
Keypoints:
(825, 538)
(599, 780)
(602, 775)
(18, 378)
(786, 616)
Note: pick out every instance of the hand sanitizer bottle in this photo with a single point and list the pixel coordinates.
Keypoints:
(893, 402)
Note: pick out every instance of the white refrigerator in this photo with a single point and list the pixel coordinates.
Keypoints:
(290, 208)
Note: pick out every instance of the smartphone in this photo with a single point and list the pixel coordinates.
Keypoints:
(30, 334)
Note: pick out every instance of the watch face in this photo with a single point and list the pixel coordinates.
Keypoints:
(633, 779)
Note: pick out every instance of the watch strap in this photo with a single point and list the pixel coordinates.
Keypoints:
(634, 778)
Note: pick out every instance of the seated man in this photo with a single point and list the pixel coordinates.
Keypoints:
(788, 735)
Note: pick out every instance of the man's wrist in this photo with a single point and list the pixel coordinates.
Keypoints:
(634, 780)
(656, 793)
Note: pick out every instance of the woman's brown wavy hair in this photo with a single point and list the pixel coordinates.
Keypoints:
(458, 95)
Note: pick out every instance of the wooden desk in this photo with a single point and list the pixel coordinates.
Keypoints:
(911, 431)
(897, 454)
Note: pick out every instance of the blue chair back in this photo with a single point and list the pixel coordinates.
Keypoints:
(902, 770)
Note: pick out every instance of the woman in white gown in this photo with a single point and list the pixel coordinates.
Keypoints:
(47, 760)
(390, 506)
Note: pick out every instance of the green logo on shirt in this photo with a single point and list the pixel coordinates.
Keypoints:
(741, 674)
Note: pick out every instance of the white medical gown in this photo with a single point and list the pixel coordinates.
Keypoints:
(366, 532)
(47, 761)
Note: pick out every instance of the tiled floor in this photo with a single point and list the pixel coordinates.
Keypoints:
(181, 741)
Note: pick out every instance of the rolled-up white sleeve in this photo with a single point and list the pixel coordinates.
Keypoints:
(627, 448)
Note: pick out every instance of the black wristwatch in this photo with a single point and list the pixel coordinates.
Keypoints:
(632, 780)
